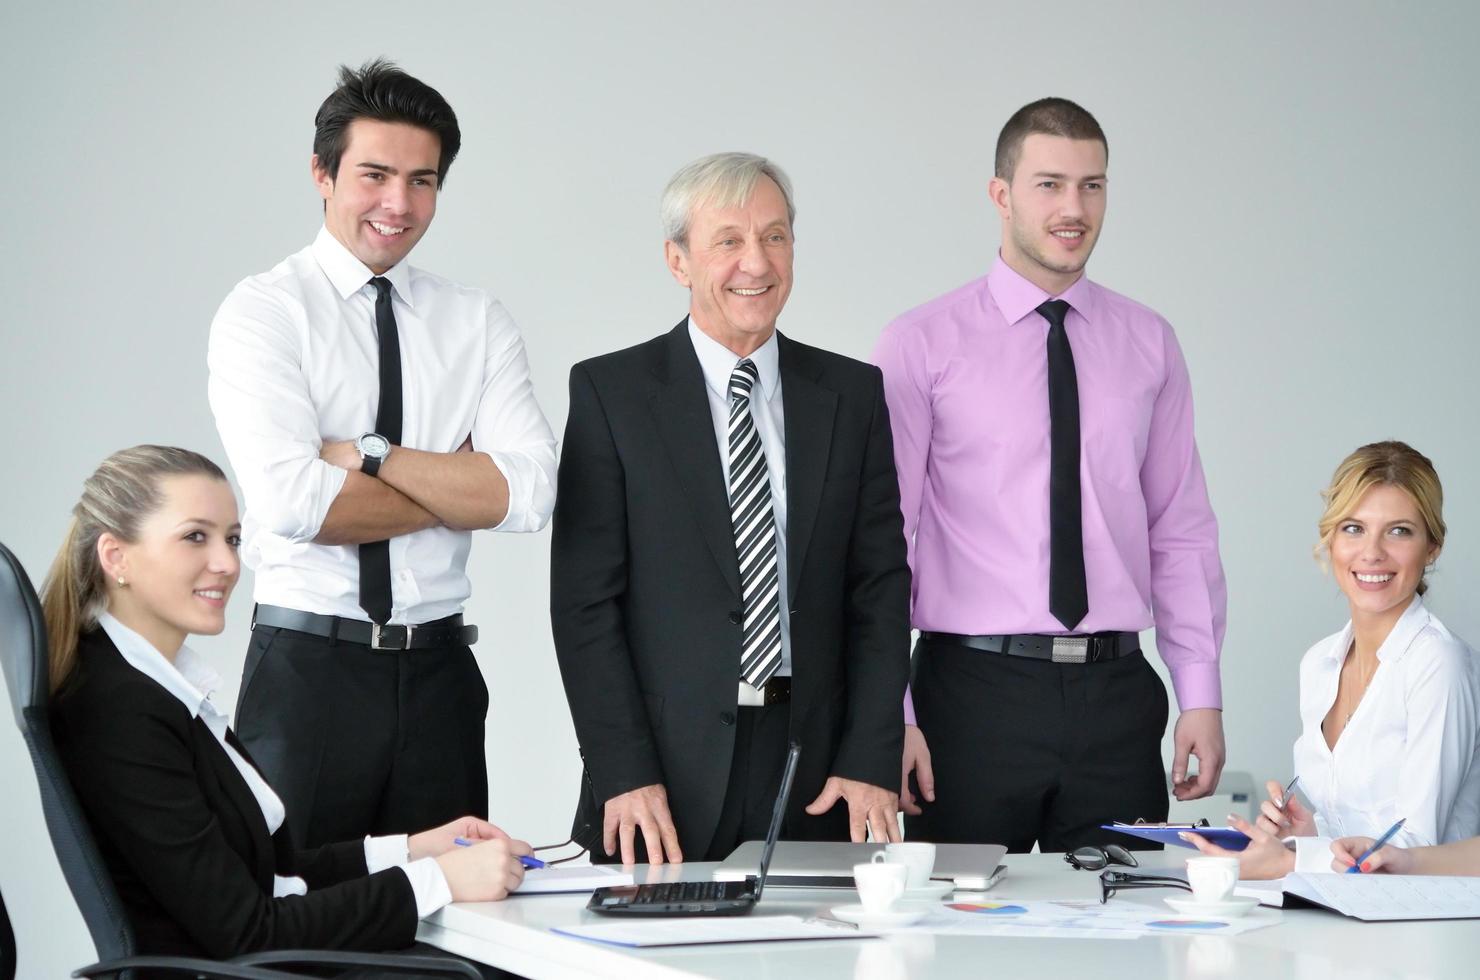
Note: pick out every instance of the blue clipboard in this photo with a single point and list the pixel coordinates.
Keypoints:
(1225, 837)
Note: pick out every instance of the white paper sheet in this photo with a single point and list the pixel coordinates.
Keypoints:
(1076, 919)
(1388, 898)
(701, 931)
(1270, 893)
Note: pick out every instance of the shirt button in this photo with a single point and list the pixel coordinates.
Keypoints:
(736, 618)
(727, 717)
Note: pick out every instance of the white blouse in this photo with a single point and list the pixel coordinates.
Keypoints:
(191, 680)
(1408, 751)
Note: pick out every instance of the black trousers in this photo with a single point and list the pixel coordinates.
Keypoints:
(359, 741)
(1029, 751)
(750, 796)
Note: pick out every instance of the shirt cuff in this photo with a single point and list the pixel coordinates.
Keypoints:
(391, 851)
(1313, 855)
(909, 707)
(531, 492)
(1197, 685)
(428, 884)
(284, 887)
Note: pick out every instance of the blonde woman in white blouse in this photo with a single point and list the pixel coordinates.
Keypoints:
(1389, 705)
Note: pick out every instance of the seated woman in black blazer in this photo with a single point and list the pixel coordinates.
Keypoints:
(190, 830)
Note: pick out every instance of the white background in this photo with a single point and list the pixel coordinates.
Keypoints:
(1291, 184)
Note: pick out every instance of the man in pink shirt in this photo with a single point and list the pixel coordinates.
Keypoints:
(1055, 506)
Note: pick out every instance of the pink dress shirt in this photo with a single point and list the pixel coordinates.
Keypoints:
(966, 378)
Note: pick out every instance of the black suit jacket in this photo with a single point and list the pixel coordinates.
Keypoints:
(645, 585)
(185, 840)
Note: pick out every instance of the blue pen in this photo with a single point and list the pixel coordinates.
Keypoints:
(1356, 869)
(528, 862)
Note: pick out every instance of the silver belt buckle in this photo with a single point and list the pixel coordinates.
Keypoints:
(1070, 649)
(375, 643)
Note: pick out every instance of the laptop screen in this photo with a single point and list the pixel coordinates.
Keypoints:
(777, 815)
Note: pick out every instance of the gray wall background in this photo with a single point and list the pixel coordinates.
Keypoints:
(1290, 183)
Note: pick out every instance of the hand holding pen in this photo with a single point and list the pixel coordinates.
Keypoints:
(1361, 864)
(1283, 815)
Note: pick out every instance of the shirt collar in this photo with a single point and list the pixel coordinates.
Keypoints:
(1016, 297)
(348, 275)
(718, 362)
(1413, 621)
(190, 679)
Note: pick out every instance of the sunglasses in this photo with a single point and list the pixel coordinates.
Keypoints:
(1113, 881)
(1091, 858)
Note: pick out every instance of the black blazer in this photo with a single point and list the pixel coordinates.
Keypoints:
(645, 585)
(185, 840)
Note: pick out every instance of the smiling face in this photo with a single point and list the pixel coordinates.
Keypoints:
(1378, 553)
(181, 568)
(384, 197)
(1052, 210)
(737, 267)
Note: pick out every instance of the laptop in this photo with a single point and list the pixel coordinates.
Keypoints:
(735, 897)
(806, 864)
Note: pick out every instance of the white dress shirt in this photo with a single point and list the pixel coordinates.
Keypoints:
(294, 363)
(191, 680)
(1409, 750)
(718, 363)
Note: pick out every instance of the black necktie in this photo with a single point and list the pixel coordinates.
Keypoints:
(375, 556)
(1067, 596)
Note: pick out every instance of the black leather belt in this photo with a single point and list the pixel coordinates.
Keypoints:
(1084, 648)
(447, 632)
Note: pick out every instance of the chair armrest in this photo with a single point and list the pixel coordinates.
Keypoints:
(389, 962)
(187, 965)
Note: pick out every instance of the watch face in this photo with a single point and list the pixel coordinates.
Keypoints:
(374, 445)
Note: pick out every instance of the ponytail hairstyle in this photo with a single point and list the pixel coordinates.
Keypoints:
(122, 492)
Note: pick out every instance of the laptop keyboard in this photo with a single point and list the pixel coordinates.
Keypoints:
(683, 891)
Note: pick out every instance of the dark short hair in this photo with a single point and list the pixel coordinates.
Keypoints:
(381, 91)
(1051, 117)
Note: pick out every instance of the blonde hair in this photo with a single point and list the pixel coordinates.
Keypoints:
(121, 493)
(1393, 464)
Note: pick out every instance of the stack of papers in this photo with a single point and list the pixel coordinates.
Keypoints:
(547, 881)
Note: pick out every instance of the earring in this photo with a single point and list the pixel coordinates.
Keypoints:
(122, 582)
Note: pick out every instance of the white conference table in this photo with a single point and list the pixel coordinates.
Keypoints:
(1308, 944)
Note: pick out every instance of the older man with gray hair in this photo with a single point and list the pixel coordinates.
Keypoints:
(728, 565)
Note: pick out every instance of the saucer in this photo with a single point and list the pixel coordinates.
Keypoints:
(900, 915)
(1229, 908)
(929, 891)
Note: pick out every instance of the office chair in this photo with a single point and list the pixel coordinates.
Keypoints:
(23, 656)
(7, 944)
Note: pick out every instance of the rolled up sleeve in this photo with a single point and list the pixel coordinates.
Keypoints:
(512, 430)
(265, 416)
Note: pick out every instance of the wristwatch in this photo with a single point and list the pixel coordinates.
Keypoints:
(374, 448)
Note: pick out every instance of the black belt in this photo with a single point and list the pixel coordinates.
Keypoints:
(447, 632)
(1084, 648)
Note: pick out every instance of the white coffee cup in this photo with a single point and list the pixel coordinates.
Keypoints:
(880, 883)
(918, 856)
(1212, 878)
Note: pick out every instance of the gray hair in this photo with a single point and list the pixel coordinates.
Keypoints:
(723, 180)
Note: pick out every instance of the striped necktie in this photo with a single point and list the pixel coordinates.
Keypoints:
(755, 534)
